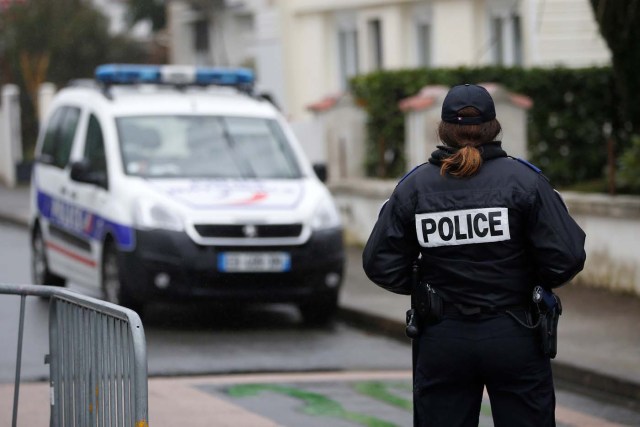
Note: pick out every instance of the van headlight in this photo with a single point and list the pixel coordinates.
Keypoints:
(152, 215)
(326, 216)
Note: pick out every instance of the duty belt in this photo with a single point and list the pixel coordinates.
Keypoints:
(470, 310)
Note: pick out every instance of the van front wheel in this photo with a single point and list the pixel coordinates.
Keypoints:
(112, 289)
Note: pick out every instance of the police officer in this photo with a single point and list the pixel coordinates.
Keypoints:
(486, 228)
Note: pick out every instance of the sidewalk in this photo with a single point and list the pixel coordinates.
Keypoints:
(599, 337)
(205, 401)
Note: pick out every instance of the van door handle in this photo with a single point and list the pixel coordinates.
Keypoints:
(72, 195)
(63, 190)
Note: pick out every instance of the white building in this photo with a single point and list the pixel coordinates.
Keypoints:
(116, 13)
(215, 32)
(304, 50)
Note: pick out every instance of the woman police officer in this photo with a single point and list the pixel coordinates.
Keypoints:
(485, 228)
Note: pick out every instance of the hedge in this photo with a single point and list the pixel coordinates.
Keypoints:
(574, 111)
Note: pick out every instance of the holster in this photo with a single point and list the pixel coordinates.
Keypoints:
(431, 308)
(426, 306)
(550, 309)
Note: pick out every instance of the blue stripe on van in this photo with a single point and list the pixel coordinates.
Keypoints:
(84, 223)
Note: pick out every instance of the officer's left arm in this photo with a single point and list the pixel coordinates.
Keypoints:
(556, 240)
(391, 249)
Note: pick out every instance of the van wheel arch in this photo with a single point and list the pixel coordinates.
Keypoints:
(112, 282)
(40, 273)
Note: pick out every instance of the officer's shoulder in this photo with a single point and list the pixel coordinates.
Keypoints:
(412, 173)
(527, 166)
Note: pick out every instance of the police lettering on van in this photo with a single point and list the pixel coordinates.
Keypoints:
(462, 227)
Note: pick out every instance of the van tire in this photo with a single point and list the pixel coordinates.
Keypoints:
(40, 273)
(111, 284)
(319, 312)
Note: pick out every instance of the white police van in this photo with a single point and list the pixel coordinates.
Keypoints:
(169, 182)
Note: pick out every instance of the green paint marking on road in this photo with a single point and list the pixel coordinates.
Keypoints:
(381, 391)
(315, 404)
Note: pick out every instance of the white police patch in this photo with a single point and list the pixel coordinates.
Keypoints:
(462, 227)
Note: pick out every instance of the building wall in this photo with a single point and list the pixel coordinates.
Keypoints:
(308, 61)
(565, 33)
(454, 26)
(554, 32)
(295, 42)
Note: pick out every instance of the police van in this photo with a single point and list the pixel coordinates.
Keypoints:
(170, 183)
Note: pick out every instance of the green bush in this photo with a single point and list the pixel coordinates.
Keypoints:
(629, 173)
(573, 112)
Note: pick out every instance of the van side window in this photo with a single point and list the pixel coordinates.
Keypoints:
(94, 147)
(50, 137)
(67, 132)
(58, 138)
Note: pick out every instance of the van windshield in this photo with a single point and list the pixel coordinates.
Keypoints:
(205, 147)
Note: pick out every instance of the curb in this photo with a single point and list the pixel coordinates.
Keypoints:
(594, 382)
(571, 376)
(14, 219)
(373, 323)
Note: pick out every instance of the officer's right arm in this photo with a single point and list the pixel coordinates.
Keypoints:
(556, 240)
(391, 249)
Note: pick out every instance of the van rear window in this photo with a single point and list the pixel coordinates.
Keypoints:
(205, 147)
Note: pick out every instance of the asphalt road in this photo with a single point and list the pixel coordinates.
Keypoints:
(199, 339)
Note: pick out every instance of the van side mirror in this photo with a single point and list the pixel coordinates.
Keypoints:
(46, 159)
(321, 171)
(81, 172)
(269, 98)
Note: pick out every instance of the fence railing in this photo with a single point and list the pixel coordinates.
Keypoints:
(97, 360)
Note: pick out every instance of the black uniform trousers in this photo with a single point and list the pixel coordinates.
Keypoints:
(461, 354)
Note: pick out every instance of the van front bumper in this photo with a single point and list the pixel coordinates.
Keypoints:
(168, 265)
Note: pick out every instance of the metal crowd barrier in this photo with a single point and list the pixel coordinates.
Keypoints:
(97, 360)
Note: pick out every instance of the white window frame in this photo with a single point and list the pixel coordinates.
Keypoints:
(423, 55)
(348, 56)
(375, 42)
(505, 50)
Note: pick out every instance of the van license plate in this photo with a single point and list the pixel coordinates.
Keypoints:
(254, 262)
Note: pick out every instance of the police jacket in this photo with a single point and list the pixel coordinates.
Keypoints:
(484, 240)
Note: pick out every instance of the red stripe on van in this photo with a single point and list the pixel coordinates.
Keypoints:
(79, 258)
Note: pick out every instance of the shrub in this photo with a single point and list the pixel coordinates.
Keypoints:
(573, 112)
(629, 173)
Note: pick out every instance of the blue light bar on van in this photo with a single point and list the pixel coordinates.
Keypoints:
(173, 74)
(224, 76)
(128, 74)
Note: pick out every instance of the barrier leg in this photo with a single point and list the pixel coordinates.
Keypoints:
(16, 389)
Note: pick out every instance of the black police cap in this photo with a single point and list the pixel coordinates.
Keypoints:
(468, 95)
